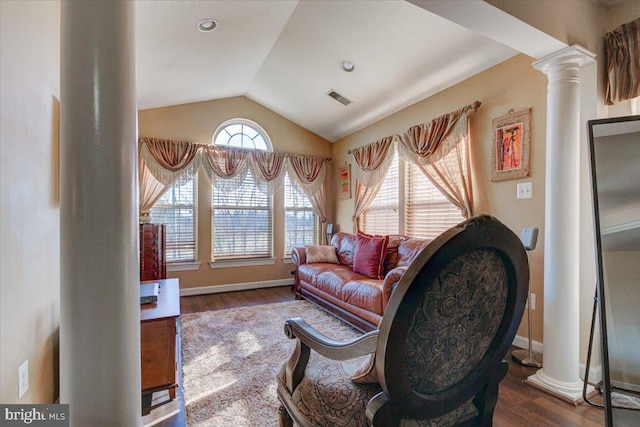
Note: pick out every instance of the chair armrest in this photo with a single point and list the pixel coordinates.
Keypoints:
(389, 284)
(299, 255)
(307, 337)
(332, 349)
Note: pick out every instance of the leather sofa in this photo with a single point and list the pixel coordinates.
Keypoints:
(354, 297)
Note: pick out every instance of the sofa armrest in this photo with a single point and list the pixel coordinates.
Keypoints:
(299, 255)
(389, 284)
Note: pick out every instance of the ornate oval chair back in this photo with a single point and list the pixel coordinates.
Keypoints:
(450, 323)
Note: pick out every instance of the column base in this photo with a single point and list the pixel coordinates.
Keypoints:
(568, 392)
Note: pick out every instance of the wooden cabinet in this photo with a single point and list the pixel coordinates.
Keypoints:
(153, 264)
(159, 335)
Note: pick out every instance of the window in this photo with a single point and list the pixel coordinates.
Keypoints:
(428, 213)
(176, 209)
(383, 216)
(242, 219)
(242, 133)
(300, 221)
(422, 211)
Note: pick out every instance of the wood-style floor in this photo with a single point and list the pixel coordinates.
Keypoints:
(519, 405)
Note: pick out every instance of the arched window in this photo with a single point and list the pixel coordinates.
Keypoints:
(242, 133)
(242, 219)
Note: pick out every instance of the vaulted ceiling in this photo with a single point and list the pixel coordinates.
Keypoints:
(286, 55)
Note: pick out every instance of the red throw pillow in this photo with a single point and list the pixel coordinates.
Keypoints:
(370, 254)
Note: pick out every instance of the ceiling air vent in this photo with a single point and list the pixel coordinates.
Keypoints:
(341, 99)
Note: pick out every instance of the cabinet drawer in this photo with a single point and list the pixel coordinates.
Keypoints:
(158, 353)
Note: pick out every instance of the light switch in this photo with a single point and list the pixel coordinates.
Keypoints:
(525, 190)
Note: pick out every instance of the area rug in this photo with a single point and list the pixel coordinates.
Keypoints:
(230, 359)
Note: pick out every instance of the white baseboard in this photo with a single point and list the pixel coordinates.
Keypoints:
(595, 372)
(185, 292)
(523, 342)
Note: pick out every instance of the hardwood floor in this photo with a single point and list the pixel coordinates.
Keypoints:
(519, 405)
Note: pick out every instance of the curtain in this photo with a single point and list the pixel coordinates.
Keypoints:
(150, 190)
(440, 148)
(622, 62)
(226, 167)
(372, 164)
(164, 162)
(309, 174)
(267, 168)
(161, 163)
(169, 161)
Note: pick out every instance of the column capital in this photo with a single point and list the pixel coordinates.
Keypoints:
(574, 55)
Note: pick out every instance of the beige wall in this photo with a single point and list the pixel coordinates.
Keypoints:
(197, 122)
(514, 84)
(29, 196)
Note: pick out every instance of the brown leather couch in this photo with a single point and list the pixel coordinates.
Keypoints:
(353, 297)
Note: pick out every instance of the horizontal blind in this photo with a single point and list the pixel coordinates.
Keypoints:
(300, 220)
(242, 222)
(176, 209)
(429, 213)
(382, 216)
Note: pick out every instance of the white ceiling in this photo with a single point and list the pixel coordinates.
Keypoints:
(286, 56)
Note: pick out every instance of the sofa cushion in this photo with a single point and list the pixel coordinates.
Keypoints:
(329, 278)
(345, 244)
(370, 254)
(317, 253)
(409, 249)
(391, 257)
(365, 293)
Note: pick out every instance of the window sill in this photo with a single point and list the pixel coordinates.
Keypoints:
(183, 266)
(287, 260)
(242, 263)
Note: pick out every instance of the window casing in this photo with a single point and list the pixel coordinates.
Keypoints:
(242, 219)
(408, 203)
(300, 220)
(177, 210)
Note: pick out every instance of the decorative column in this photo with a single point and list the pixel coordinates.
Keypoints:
(561, 359)
(99, 307)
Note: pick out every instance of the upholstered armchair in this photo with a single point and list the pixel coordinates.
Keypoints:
(437, 356)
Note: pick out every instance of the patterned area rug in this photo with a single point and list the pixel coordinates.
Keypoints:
(230, 359)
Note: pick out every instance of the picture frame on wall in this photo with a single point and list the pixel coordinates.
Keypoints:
(345, 182)
(511, 145)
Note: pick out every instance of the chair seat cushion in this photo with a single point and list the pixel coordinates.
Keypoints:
(326, 397)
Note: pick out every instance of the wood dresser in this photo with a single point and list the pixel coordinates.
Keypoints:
(153, 264)
(159, 338)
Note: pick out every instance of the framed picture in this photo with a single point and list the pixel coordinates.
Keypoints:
(511, 135)
(345, 182)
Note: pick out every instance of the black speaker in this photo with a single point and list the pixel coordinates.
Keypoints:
(529, 237)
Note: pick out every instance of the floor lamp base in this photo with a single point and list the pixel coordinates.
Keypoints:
(527, 358)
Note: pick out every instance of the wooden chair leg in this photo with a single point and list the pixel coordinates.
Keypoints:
(486, 400)
(285, 418)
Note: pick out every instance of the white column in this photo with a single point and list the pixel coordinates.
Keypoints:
(100, 317)
(561, 359)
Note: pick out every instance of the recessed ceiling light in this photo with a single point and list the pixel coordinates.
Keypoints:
(347, 66)
(207, 25)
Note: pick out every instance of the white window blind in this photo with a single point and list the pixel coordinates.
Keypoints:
(383, 216)
(428, 211)
(300, 221)
(242, 222)
(176, 209)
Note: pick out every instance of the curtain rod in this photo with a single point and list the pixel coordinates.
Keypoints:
(473, 106)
